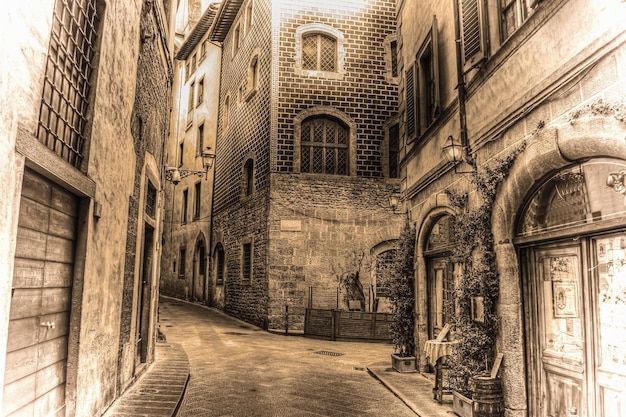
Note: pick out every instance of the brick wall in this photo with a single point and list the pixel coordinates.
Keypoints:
(247, 132)
(362, 93)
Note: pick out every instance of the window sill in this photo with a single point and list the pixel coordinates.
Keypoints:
(320, 74)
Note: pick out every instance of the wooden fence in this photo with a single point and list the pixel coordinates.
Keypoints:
(347, 325)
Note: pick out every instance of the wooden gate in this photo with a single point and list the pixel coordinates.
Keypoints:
(40, 303)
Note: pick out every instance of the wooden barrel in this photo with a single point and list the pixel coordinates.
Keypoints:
(487, 397)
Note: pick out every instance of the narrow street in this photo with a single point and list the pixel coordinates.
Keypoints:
(240, 370)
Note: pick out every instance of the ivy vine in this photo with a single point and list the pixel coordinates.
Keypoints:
(478, 277)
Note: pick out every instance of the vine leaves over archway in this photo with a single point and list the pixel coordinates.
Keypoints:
(476, 272)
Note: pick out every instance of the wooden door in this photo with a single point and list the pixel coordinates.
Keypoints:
(609, 301)
(40, 304)
(439, 297)
(559, 328)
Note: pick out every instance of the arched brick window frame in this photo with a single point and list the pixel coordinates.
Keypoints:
(329, 32)
(331, 113)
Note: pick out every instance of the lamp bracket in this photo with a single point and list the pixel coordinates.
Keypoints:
(169, 172)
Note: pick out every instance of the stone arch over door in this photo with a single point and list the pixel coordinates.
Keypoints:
(551, 149)
(199, 282)
(433, 210)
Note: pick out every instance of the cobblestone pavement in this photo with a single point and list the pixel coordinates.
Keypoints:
(239, 370)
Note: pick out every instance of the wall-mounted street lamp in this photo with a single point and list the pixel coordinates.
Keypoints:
(174, 175)
(394, 200)
(456, 153)
(616, 181)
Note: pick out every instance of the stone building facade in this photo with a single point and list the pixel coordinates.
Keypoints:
(187, 221)
(85, 90)
(545, 78)
(304, 170)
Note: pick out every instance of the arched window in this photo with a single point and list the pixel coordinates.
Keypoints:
(248, 177)
(324, 146)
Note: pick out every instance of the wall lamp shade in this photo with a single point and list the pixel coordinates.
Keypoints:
(394, 200)
(175, 175)
(453, 150)
(455, 153)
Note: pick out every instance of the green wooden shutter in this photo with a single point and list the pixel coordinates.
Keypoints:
(409, 91)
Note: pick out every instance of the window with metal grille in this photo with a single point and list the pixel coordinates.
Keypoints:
(384, 265)
(319, 52)
(394, 58)
(324, 146)
(69, 67)
(182, 254)
(150, 199)
(221, 263)
(246, 261)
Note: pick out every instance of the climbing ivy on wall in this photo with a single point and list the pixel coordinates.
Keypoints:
(478, 277)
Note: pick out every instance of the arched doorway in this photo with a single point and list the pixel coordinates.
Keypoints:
(198, 283)
(572, 242)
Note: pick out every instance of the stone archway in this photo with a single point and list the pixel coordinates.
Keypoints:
(199, 273)
(553, 148)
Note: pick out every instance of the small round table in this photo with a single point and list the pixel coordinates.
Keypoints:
(436, 352)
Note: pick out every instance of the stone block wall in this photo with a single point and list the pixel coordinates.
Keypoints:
(244, 223)
(320, 228)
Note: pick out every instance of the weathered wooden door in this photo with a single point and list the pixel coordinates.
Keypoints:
(440, 285)
(577, 303)
(40, 304)
(559, 328)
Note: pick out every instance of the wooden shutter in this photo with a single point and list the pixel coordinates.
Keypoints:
(473, 31)
(409, 91)
(435, 57)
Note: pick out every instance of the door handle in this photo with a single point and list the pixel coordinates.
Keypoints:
(48, 324)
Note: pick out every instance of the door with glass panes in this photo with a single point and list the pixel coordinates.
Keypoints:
(575, 294)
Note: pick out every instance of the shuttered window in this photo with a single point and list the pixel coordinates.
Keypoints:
(422, 87)
(474, 31)
(409, 92)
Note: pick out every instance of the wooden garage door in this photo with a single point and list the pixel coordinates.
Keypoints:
(40, 303)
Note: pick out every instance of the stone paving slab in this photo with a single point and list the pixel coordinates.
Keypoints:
(158, 392)
(414, 389)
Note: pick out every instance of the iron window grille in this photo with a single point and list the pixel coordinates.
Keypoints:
(69, 66)
(324, 147)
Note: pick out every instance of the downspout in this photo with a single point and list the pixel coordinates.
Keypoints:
(467, 154)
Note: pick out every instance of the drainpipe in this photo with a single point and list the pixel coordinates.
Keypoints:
(467, 156)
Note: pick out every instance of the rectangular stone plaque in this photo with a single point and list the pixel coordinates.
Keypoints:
(290, 225)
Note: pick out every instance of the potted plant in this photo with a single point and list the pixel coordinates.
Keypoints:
(401, 297)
